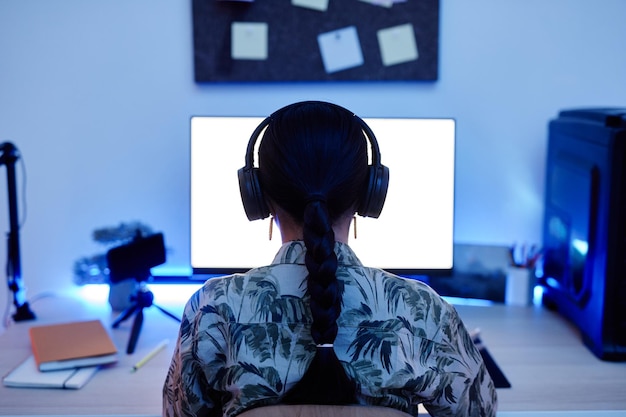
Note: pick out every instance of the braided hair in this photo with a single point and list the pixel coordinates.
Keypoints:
(313, 164)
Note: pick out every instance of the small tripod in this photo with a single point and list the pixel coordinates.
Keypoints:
(134, 260)
(141, 300)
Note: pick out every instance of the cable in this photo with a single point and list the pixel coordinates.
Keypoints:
(24, 205)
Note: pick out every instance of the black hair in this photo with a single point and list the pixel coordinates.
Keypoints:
(313, 164)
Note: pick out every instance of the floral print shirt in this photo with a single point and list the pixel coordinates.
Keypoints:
(245, 340)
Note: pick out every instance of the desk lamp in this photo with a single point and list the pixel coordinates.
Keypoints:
(134, 261)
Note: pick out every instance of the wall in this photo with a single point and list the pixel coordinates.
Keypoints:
(97, 96)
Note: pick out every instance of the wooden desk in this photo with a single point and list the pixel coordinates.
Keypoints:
(539, 352)
(545, 361)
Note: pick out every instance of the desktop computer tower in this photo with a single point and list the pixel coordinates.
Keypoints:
(584, 228)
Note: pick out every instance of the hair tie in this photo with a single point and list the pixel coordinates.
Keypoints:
(325, 346)
(315, 198)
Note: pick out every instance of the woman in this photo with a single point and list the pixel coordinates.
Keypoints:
(316, 326)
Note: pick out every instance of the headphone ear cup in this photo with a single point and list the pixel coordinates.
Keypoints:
(376, 193)
(251, 194)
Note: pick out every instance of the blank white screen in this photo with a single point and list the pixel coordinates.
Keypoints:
(414, 231)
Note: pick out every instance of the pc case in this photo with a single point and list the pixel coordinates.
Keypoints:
(584, 230)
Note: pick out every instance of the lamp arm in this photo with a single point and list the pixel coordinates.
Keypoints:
(9, 156)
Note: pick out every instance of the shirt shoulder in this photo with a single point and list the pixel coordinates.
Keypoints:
(378, 295)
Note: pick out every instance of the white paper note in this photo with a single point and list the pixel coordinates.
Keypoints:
(340, 49)
(249, 40)
(397, 44)
(320, 5)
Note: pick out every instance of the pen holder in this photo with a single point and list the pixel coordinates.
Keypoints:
(520, 286)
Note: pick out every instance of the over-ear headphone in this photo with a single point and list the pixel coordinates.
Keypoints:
(371, 203)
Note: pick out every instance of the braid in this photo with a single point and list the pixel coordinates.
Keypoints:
(325, 381)
(321, 262)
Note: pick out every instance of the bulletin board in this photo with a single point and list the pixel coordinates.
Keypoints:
(315, 40)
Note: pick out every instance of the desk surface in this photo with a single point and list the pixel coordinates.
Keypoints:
(540, 353)
(114, 390)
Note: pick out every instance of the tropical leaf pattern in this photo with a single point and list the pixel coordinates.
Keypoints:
(245, 340)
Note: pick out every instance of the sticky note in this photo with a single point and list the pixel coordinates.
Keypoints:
(382, 3)
(249, 40)
(340, 49)
(397, 44)
(320, 5)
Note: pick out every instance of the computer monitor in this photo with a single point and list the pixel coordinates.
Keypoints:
(412, 236)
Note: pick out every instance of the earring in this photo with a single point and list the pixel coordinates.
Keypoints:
(271, 226)
(354, 227)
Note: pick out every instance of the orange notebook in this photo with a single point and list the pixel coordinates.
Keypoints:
(72, 345)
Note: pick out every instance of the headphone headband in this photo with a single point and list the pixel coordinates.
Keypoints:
(371, 203)
(252, 142)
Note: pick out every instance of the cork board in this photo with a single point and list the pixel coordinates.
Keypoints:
(315, 40)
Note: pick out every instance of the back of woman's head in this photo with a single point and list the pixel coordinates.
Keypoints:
(313, 165)
(313, 149)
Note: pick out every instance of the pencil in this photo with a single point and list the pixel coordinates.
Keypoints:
(150, 355)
